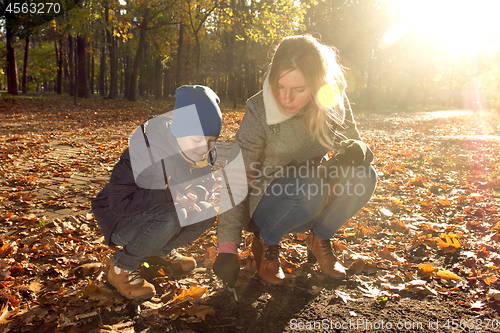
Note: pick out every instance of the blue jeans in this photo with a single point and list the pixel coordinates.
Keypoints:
(295, 204)
(155, 232)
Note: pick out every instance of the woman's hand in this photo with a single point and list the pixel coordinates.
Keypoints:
(227, 266)
(188, 200)
(354, 153)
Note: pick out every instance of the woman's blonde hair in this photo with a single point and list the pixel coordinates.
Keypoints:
(324, 76)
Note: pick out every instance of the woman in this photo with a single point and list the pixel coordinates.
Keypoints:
(298, 117)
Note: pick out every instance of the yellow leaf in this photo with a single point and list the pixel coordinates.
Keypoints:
(417, 181)
(426, 268)
(193, 292)
(440, 243)
(450, 241)
(490, 279)
(444, 202)
(444, 274)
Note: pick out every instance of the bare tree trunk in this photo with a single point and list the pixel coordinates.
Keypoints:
(11, 61)
(178, 75)
(138, 56)
(143, 84)
(72, 86)
(113, 83)
(25, 65)
(75, 54)
(83, 84)
(120, 67)
(64, 59)
(158, 78)
(88, 59)
(166, 82)
(59, 55)
(232, 91)
(117, 64)
(92, 69)
(198, 58)
(102, 70)
(127, 76)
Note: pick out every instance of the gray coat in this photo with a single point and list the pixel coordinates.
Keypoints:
(269, 141)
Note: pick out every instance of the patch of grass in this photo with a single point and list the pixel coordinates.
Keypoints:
(29, 95)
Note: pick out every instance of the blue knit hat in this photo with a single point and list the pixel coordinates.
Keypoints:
(196, 112)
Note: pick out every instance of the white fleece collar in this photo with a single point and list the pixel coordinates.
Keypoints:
(274, 113)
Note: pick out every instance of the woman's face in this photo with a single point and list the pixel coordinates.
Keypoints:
(293, 91)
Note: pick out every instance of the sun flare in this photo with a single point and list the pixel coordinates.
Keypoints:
(461, 25)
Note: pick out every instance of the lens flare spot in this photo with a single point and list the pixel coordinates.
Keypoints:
(328, 97)
(393, 35)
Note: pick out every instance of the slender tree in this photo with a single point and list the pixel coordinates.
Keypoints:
(11, 57)
(113, 77)
(180, 44)
(198, 13)
(25, 65)
(151, 16)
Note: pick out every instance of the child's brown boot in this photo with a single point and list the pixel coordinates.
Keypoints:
(130, 284)
(179, 263)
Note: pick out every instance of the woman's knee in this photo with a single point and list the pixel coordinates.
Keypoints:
(368, 178)
(362, 179)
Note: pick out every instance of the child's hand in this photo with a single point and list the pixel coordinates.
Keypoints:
(188, 201)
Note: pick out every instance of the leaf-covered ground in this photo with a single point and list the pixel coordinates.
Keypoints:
(423, 254)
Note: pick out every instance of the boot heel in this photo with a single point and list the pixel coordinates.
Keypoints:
(257, 250)
(311, 259)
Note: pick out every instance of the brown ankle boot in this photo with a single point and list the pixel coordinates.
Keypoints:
(321, 250)
(267, 261)
(130, 284)
(178, 263)
(257, 249)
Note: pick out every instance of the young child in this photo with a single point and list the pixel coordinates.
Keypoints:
(157, 197)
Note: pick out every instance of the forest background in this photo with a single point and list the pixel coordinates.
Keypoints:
(403, 54)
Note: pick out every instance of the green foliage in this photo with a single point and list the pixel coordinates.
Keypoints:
(41, 63)
(233, 39)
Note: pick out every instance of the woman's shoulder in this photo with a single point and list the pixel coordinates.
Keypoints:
(256, 100)
(255, 109)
